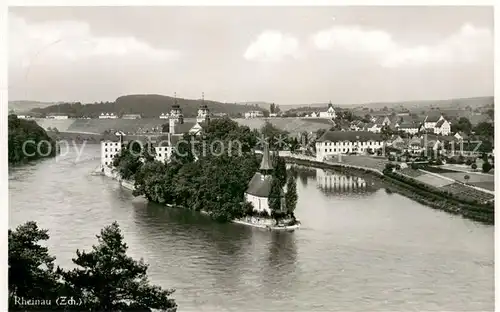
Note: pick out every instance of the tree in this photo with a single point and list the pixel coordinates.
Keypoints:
(279, 172)
(291, 195)
(463, 125)
(31, 267)
(486, 167)
(108, 280)
(485, 129)
(28, 141)
(274, 198)
(466, 178)
(474, 166)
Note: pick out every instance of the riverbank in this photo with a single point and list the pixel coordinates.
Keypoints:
(263, 223)
(423, 194)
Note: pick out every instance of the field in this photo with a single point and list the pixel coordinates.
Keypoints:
(433, 180)
(462, 191)
(412, 173)
(485, 181)
(291, 125)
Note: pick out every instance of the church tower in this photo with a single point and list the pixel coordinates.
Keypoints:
(176, 116)
(203, 112)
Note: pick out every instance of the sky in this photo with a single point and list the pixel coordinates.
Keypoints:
(285, 55)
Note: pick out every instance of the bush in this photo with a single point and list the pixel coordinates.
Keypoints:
(468, 162)
(486, 167)
(439, 162)
(474, 166)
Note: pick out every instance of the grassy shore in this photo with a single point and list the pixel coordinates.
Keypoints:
(420, 192)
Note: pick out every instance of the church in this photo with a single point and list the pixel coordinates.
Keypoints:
(177, 127)
(259, 187)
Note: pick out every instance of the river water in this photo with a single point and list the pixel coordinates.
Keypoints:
(359, 248)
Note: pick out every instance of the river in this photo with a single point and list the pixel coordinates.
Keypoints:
(360, 248)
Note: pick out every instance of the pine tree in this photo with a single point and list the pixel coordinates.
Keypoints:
(108, 280)
(275, 199)
(291, 195)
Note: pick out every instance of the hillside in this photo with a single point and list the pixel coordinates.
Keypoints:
(25, 106)
(149, 105)
(461, 103)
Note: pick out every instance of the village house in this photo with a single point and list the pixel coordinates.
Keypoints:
(254, 114)
(57, 116)
(107, 116)
(259, 187)
(437, 124)
(409, 127)
(330, 112)
(342, 142)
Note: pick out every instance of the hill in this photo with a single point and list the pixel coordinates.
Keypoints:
(25, 106)
(148, 105)
(460, 103)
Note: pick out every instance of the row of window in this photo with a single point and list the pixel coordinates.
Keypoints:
(116, 149)
(111, 143)
(346, 143)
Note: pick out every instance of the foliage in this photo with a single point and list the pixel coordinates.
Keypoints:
(485, 129)
(275, 196)
(274, 136)
(149, 106)
(31, 268)
(291, 196)
(127, 162)
(28, 133)
(463, 125)
(474, 166)
(279, 172)
(487, 167)
(215, 184)
(106, 279)
(466, 177)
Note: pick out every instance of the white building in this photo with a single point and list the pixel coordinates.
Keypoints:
(341, 142)
(374, 128)
(108, 151)
(410, 128)
(107, 116)
(57, 116)
(330, 112)
(443, 127)
(131, 116)
(259, 187)
(164, 116)
(254, 114)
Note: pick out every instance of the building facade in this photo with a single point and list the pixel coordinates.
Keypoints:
(254, 114)
(333, 143)
(330, 112)
(107, 116)
(109, 149)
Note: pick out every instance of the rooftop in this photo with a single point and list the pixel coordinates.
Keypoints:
(362, 136)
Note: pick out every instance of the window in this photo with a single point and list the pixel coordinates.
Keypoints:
(106, 163)
(159, 154)
(105, 144)
(330, 149)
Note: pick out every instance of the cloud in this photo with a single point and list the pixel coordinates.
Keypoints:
(70, 41)
(469, 44)
(272, 46)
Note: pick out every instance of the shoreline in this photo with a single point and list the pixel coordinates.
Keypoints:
(130, 186)
(480, 214)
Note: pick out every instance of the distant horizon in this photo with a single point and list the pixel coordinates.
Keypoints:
(293, 55)
(264, 102)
